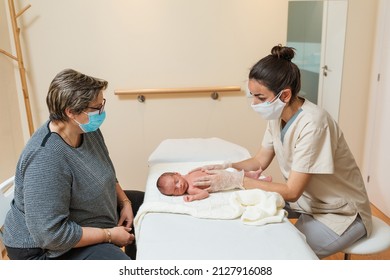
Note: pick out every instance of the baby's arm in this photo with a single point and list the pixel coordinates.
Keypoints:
(196, 194)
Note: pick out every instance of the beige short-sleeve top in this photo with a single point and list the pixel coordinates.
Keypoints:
(312, 142)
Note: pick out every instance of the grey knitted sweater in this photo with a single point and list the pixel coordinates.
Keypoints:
(58, 190)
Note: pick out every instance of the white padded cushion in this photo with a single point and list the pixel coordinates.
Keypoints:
(377, 242)
(197, 149)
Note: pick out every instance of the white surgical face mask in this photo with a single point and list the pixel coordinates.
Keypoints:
(270, 110)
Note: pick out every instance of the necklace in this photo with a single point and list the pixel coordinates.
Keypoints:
(70, 142)
(60, 130)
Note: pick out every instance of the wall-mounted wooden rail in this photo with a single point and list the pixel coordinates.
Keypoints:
(213, 90)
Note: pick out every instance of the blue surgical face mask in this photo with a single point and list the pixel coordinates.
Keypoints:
(95, 121)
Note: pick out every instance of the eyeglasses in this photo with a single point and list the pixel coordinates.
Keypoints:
(101, 108)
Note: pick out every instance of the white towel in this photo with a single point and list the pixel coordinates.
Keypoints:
(255, 207)
(259, 207)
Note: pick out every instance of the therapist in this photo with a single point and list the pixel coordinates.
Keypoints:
(323, 185)
(68, 203)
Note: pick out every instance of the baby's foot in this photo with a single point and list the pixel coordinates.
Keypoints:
(253, 174)
(265, 178)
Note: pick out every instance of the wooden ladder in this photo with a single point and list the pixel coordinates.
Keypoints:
(19, 59)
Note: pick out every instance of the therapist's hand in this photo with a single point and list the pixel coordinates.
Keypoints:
(221, 180)
(220, 166)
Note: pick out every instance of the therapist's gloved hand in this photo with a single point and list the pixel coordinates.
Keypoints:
(220, 166)
(221, 180)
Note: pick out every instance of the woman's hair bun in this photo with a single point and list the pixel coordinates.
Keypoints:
(281, 52)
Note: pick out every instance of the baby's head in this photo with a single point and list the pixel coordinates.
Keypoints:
(172, 183)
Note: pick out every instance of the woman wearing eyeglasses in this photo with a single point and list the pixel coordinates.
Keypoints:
(323, 185)
(68, 203)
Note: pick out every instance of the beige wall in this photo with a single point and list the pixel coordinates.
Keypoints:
(358, 57)
(176, 43)
(11, 139)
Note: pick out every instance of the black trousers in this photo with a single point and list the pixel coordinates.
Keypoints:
(102, 251)
(136, 198)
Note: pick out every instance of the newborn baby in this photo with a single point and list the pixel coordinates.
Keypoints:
(173, 183)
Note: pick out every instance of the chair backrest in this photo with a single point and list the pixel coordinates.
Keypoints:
(6, 196)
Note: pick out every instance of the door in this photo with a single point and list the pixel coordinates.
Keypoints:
(332, 54)
(316, 29)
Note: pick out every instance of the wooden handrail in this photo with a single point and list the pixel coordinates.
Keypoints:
(176, 90)
(213, 90)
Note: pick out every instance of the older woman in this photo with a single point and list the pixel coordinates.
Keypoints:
(323, 186)
(68, 203)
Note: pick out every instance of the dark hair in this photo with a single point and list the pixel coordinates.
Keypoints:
(277, 72)
(165, 174)
(74, 90)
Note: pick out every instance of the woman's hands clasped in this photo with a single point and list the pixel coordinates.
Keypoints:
(121, 236)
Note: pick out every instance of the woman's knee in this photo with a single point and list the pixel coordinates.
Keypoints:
(324, 241)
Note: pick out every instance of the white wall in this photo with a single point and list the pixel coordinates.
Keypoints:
(377, 156)
(176, 43)
(358, 57)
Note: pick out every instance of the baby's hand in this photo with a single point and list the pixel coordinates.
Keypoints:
(188, 198)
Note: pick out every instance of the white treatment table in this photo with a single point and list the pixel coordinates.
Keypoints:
(174, 236)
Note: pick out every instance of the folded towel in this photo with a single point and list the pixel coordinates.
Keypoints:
(255, 207)
(259, 207)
